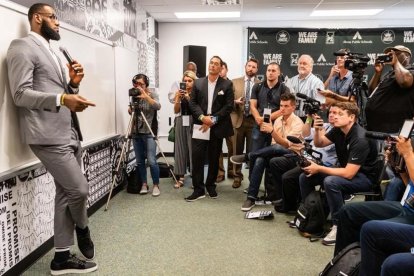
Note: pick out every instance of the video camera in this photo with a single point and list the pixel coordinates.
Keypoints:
(355, 62)
(315, 156)
(310, 106)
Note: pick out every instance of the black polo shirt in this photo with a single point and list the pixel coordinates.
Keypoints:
(268, 97)
(356, 149)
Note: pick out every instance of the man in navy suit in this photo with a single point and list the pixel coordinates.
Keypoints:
(211, 104)
(47, 106)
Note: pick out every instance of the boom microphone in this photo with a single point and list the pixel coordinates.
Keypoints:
(377, 135)
(302, 96)
(66, 54)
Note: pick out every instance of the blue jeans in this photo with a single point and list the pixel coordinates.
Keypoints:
(258, 162)
(394, 190)
(353, 215)
(335, 187)
(145, 147)
(259, 140)
(385, 248)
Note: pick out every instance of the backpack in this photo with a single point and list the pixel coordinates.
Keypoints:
(311, 216)
(345, 263)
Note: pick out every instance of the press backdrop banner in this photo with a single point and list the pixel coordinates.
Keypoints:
(285, 45)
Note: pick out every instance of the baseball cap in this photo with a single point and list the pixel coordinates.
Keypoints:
(400, 48)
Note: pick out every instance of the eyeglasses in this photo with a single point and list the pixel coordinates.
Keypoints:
(50, 16)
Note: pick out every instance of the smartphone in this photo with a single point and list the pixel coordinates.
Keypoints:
(407, 128)
(183, 86)
(384, 58)
(266, 118)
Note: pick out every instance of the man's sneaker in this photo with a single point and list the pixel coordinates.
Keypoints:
(85, 244)
(348, 198)
(212, 194)
(194, 197)
(246, 190)
(144, 189)
(156, 191)
(330, 239)
(238, 159)
(72, 265)
(247, 205)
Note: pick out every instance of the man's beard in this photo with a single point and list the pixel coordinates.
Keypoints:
(48, 33)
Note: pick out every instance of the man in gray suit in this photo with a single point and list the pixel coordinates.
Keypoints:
(47, 107)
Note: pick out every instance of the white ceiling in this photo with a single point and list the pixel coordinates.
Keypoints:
(284, 10)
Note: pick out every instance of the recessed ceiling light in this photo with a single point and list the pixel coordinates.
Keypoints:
(346, 12)
(207, 14)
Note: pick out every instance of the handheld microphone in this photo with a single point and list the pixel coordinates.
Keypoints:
(66, 54)
(294, 139)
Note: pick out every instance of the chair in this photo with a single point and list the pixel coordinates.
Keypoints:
(375, 193)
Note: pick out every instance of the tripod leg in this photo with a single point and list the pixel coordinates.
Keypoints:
(122, 158)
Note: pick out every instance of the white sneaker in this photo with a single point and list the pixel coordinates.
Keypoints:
(330, 239)
(156, 191)
(144, 189)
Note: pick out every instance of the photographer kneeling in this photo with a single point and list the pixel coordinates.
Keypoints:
(356, 155)
(144, 103)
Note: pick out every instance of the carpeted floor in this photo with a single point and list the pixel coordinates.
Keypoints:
(144, 235)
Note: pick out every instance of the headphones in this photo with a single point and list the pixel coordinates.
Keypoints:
(140, 76)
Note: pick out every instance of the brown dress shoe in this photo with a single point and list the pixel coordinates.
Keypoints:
(236, 183)
(220, 178)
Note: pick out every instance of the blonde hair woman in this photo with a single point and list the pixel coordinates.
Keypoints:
(183, 128)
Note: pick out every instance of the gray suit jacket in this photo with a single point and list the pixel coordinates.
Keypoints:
(34, 83)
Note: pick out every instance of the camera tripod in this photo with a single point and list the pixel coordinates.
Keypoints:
(125, 149)
(358, 89)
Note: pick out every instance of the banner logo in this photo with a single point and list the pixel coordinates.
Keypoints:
(282, 37)
(307, 37)
(321, 58)
(268, 58)
(294, 57)
(408, 36)
(357, 36)
(357, 39)
(253, 36)
(388, 36)
(330, 38)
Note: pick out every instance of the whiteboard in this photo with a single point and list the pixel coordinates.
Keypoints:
(98, 85)
(126, 66)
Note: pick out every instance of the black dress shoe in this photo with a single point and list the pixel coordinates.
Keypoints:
(194, 196)
(85, 243)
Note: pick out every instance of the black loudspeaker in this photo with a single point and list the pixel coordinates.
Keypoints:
(196, 54)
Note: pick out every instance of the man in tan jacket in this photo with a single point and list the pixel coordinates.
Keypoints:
(241, 116)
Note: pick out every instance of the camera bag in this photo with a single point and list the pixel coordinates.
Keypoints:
(165, 170)
(311, 216)
(134, 182)
(346, 262)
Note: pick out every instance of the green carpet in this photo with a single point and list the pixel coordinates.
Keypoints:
(144, 235)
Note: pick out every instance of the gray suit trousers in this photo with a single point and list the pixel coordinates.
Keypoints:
(63, 162)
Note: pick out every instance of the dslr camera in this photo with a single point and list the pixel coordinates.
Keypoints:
(133, 92)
